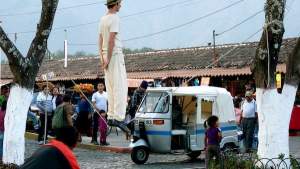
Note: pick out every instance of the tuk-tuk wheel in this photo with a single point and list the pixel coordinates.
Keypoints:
(229, 147)
(194, 154)
(140, 154)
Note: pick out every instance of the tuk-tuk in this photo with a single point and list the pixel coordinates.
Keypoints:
(171, 120)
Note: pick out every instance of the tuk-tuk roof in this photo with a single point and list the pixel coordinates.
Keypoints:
(193, 90)
(224, 103)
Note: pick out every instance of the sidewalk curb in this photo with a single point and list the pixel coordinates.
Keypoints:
(294, 134)
(114, 149)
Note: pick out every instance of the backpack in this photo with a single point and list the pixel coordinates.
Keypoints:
(59, 119)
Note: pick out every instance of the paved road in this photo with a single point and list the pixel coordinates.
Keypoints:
(295, 146)
(89, 159)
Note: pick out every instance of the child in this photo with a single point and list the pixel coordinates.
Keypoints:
(103, 128)
(212, 140)
(2, 115)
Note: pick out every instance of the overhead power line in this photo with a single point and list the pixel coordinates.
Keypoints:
(172, 28)
(156, 9)
(95, 3)
(59, 9)
(238, 24)
(227, 53)
(186, 23)
(125, 16)
(82, 44)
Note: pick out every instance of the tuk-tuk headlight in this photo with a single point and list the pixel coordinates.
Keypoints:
(134, 139)
(158, 122)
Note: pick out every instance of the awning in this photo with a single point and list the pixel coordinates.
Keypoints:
(136, 82)
(136, 77)
(5, 82)
(212, 72)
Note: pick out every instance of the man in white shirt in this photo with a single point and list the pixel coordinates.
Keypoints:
(99, 100)
(44, 103)
(249, 119)
(112, 58)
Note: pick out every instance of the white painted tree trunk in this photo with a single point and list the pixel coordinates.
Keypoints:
(15, 124)
(274, 113)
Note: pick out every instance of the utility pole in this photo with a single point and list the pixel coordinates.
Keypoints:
(16, 37)
(214, 42)
(66, 50)
(214, 51)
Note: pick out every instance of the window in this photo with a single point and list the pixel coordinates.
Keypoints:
(206, 109)
(155, 102)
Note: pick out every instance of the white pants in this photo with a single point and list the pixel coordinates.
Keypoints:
(116, 86)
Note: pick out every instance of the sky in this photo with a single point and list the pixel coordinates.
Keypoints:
(173, 13)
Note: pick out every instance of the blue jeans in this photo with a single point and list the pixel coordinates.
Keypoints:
(33, 117)
(1, 143)
(248, 126)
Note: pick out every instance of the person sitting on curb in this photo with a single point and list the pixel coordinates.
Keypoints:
(57, 154)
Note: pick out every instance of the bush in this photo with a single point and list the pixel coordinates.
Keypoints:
(231, 160)
(10, 166)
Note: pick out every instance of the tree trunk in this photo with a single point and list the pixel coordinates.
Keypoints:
(274, 113)
(274, 109)
(15, 123)
(25, 70)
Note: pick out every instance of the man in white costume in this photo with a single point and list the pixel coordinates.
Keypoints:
(112, 58)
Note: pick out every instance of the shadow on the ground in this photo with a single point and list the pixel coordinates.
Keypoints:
(171, 163)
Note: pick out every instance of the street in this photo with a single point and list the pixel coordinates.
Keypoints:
(89, 159)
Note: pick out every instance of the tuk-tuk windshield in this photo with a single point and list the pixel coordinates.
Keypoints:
(155, 102)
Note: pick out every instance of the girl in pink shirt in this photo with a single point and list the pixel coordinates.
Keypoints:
(237, 110)
(103, 128)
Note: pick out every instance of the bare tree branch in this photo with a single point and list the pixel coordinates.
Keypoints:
(293, 66)
(14, 56)
(26, 68)
(266, 57)
(38, 46)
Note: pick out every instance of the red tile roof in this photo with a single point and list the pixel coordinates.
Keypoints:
(198, 72)
(183, 62)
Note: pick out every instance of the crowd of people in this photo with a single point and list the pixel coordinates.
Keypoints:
(92, 119)
(88, 115)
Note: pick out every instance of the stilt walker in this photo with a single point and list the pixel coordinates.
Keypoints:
(112, 58)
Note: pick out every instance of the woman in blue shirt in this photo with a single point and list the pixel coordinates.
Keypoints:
(82, 122)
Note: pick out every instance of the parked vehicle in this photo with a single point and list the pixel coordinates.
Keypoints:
(170, 120)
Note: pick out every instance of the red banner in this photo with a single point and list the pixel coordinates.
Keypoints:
(295, 119)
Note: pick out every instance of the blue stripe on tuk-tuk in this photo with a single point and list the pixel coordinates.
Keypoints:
(200, 131)
(227, 128)
(158, 133)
